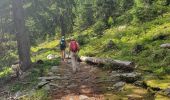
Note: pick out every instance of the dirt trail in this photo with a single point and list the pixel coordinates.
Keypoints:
(83, 85)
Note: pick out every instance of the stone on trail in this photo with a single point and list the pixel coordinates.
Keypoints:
(51, 78)
(83, 97)
(130, 77)
(52, 56)
(47, 87)
(117, 86)
(50, 74)
(41, 84)
(166, 92)
(72, 86)
(54, 68)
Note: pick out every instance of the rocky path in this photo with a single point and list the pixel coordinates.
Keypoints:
(83, 85)
(94, 83)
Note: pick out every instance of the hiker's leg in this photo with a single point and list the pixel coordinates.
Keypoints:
(73, 61)
(64, 54)
(76, 62)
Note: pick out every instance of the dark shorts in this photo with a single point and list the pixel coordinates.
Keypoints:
(62, 48)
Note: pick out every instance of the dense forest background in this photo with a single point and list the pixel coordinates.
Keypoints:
(45, 19)
(135, 28)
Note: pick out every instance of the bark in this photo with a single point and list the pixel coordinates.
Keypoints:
(62, 25)
(21, 35)
(115, 64)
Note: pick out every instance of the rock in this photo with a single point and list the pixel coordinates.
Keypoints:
(67, 56)
(134, 97)
(50, 74)
(161, 97)
(139, 83)
(83, 97)
(119, 84)
(16, 70)
(72, 86)
(138, 48)
(55, 85)
(41, 84)
(40, 62)
(17, 95)
(54, 68)
(47, 87)
(51, 56)
(160, 37)
(130, 77)
(110, 45)
(167, 45)
(51, 78)
(166, 92)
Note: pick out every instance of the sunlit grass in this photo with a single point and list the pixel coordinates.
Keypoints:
(5, 72)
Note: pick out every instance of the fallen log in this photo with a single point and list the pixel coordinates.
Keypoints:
(167, 45)
(115, 64)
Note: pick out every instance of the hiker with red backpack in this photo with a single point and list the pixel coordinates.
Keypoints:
(74, 49)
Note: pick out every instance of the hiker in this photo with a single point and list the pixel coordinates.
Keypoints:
(74, 49)
(62, 48)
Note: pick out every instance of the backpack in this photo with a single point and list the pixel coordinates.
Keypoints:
(73, 46)
(63, 43)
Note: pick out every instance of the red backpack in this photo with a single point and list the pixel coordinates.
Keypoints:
(73, 46)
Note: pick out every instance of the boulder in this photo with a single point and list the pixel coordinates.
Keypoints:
(42, 84)
(54, 68)
(127, 77)
(111, 45)
(117, 87)
(167, 45)
(47, 87)
(138, 48)
(52, 56)
(130, 77)
(83, 97)
(166, 92)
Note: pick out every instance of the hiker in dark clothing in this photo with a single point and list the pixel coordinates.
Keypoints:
(62, 48)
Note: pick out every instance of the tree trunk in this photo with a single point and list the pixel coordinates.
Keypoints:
(62, 25)
(22, 36)
(115, 64)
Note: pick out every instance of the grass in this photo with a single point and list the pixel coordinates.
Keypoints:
(31, 80)
(5, 72)
(126, 39)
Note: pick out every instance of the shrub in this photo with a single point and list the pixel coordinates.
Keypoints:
(99, 27)
(149, 13)
(82, 39)
(110, 21)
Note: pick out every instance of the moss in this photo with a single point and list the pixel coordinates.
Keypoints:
(157, 83)
(161, 97)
